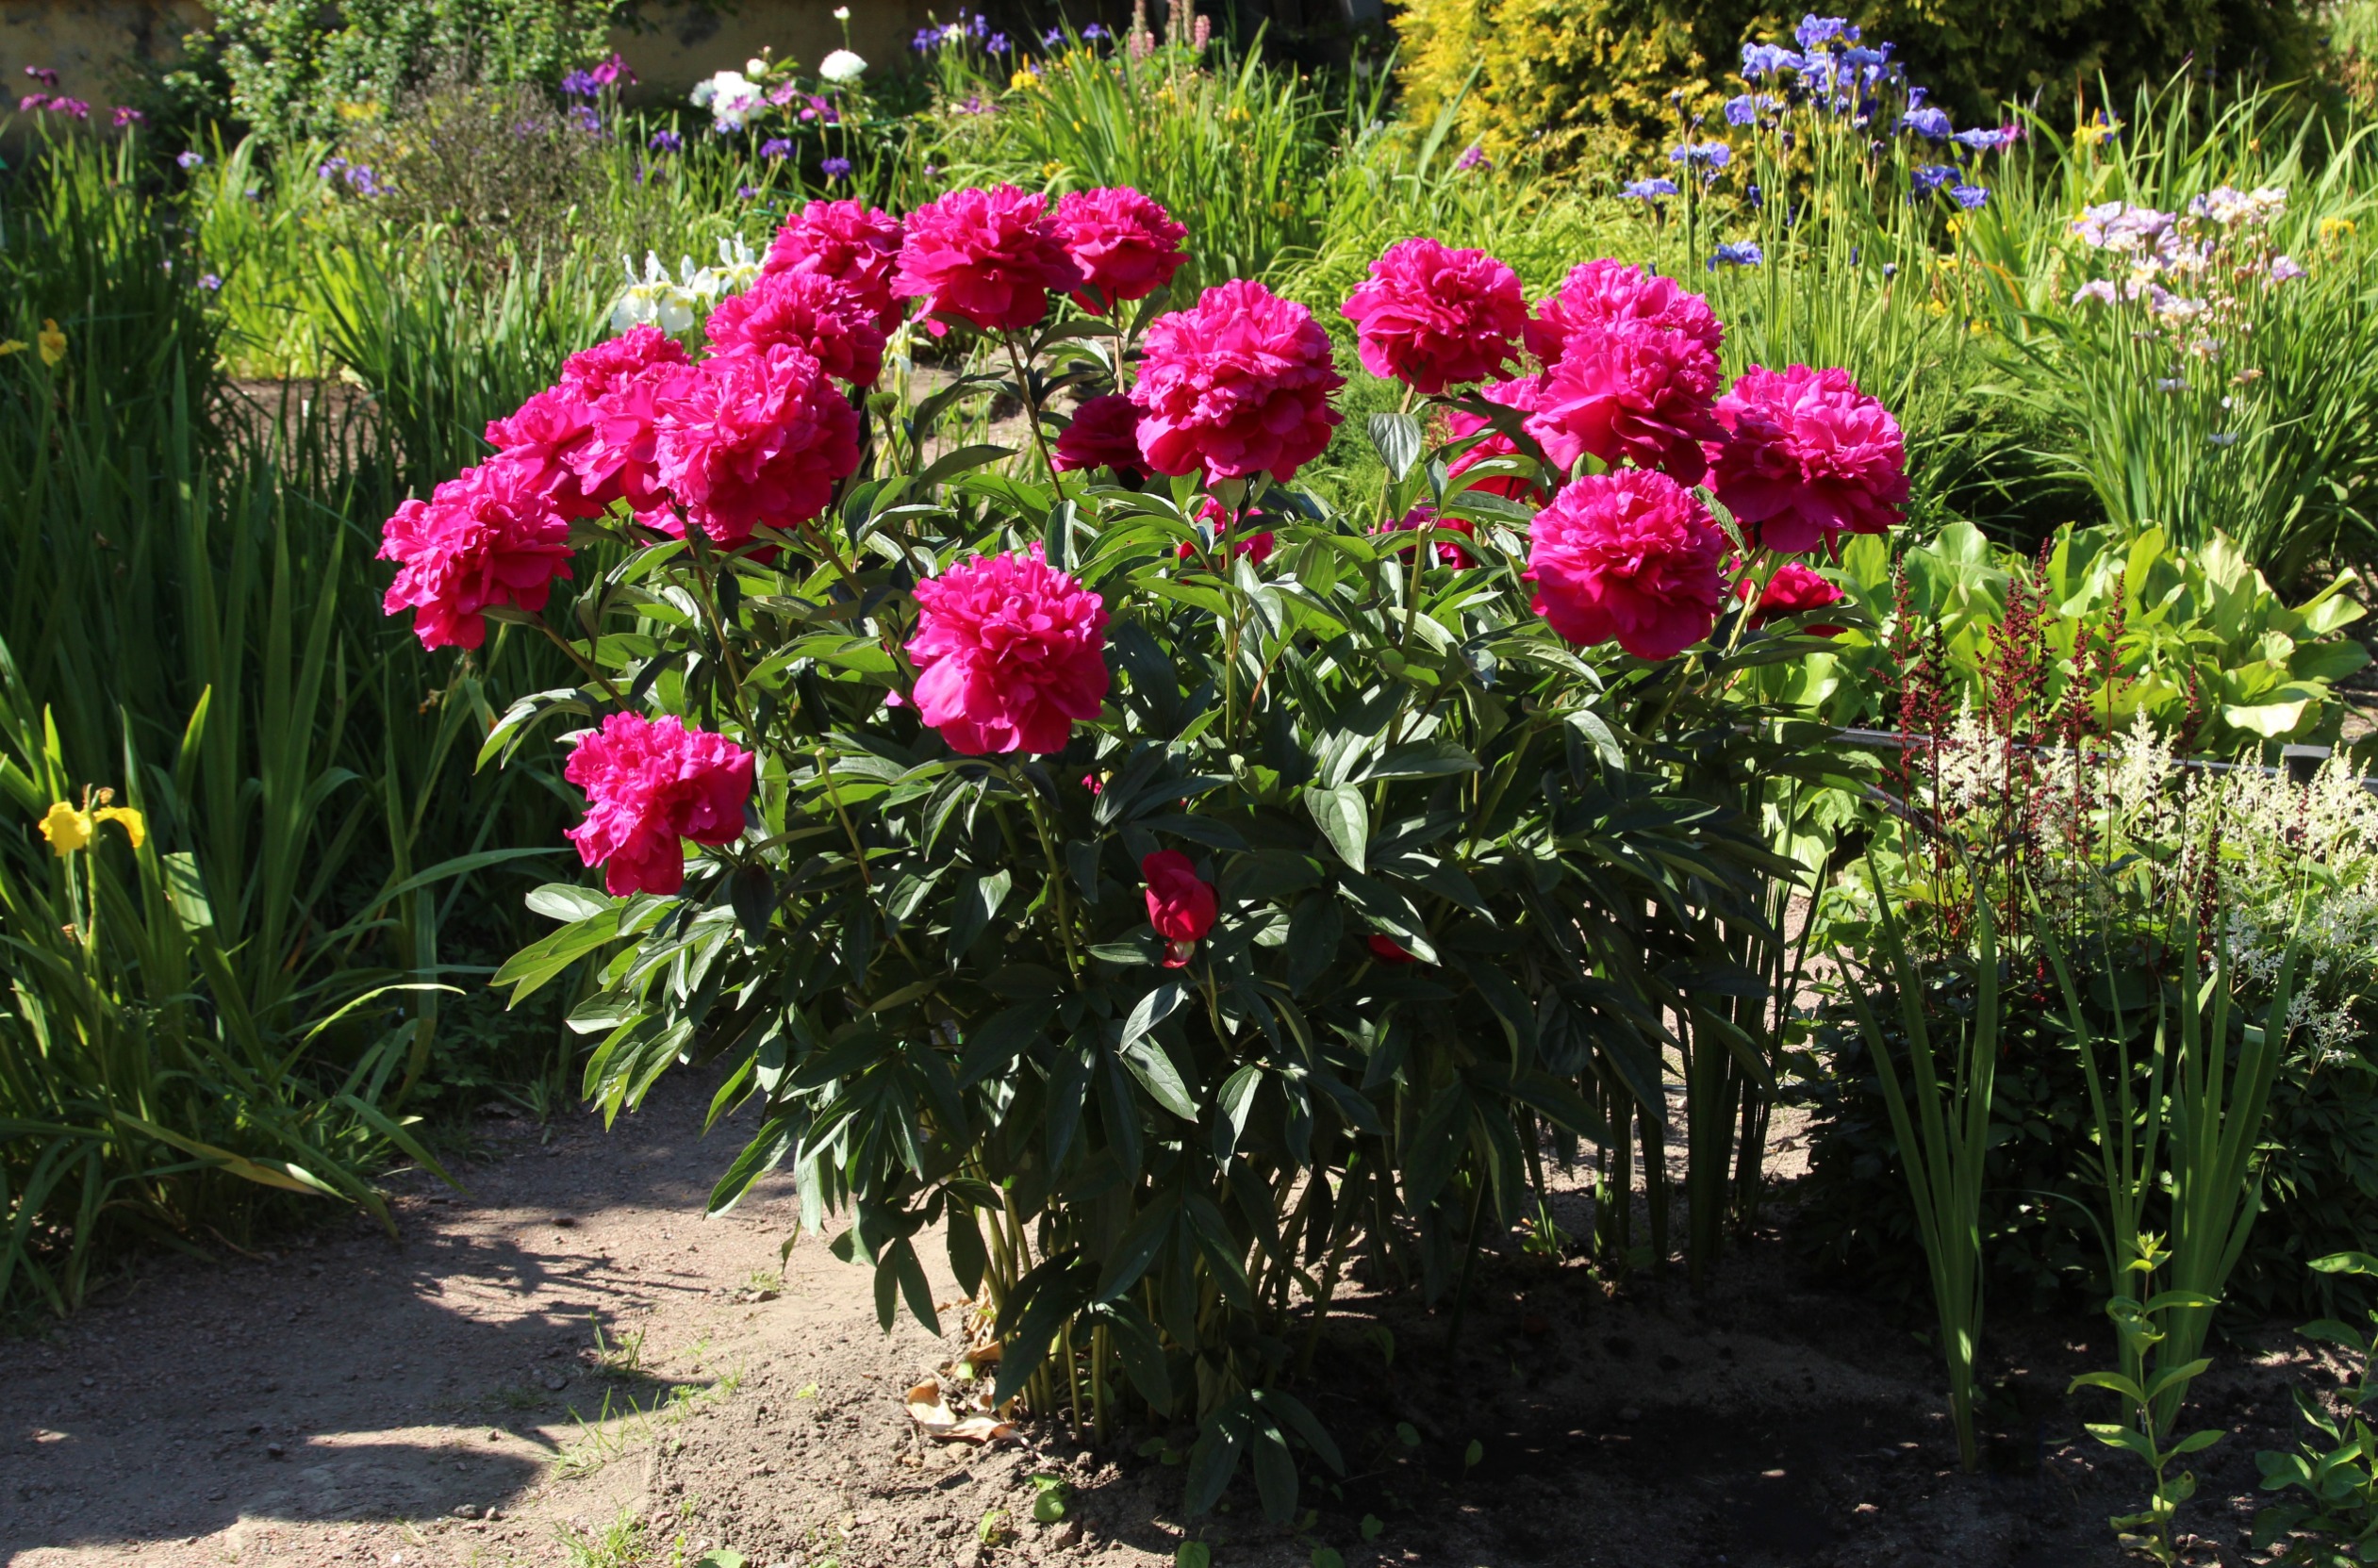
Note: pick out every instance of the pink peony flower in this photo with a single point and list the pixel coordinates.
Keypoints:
(1180, 903)
(1236, 384)
(989, 257)
(618, 382)
(616, 364)
(1525, 394)
(1432, 318)
(1125, 245)
(1633, 393)
(1609, 294)
(753, 437)
(848, 242)
(489, 536)
(649, 784)
(1630, 556)
(1448, 551)
(1791, 589)
(1010, 651)
(1104, 434)
(809, 312)
(546, 436)
(1806, 457)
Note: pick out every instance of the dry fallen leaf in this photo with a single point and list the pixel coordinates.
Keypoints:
(935, 1418)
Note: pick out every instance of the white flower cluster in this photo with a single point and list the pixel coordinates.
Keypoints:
(654, 298)
(2116, 831)
(730, 98)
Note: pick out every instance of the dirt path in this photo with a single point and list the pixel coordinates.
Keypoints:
(352, 1403)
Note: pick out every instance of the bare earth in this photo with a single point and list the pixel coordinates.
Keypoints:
(567, 1364)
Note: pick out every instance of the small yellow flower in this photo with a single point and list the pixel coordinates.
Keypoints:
(1238, 112)
(134, 826)
(11, 345)
(1937, 307)
(1051, 169)
(67, 829)
(1023, 79)
(53, 341)
(2331, 227)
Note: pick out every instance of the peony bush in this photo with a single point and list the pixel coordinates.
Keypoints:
(1106, 863)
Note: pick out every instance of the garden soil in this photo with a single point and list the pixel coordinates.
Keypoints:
(566, 1364)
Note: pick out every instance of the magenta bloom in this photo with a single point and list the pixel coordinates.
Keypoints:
(618, 382)
(1010, 652)
(1181, 905)
(1631, 556)
(1526, 394)
(1610, 293)
(1433, 317)
(849, 242)
(489, 536)
(546, 435)
(1237, 385)
(649, 784)
(1806, 457)
(1791, 589)
(1633, 393)
(806, 311)
(1125, 244)
(753, 437)
(989, 256)
(1104, 434)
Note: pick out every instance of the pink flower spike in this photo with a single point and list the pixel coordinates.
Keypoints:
(1630, 556)
(650, 784)
(1806, 457)
(991, 257)
(1125, 245)
(1010, 654)
(1238, 385)
(1432, 318)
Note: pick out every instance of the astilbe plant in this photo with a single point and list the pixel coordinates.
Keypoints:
(1117, 868)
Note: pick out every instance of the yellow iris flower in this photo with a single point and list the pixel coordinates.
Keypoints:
(69, 829)
(53, 341)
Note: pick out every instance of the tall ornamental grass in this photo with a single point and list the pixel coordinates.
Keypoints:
(246, 999)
